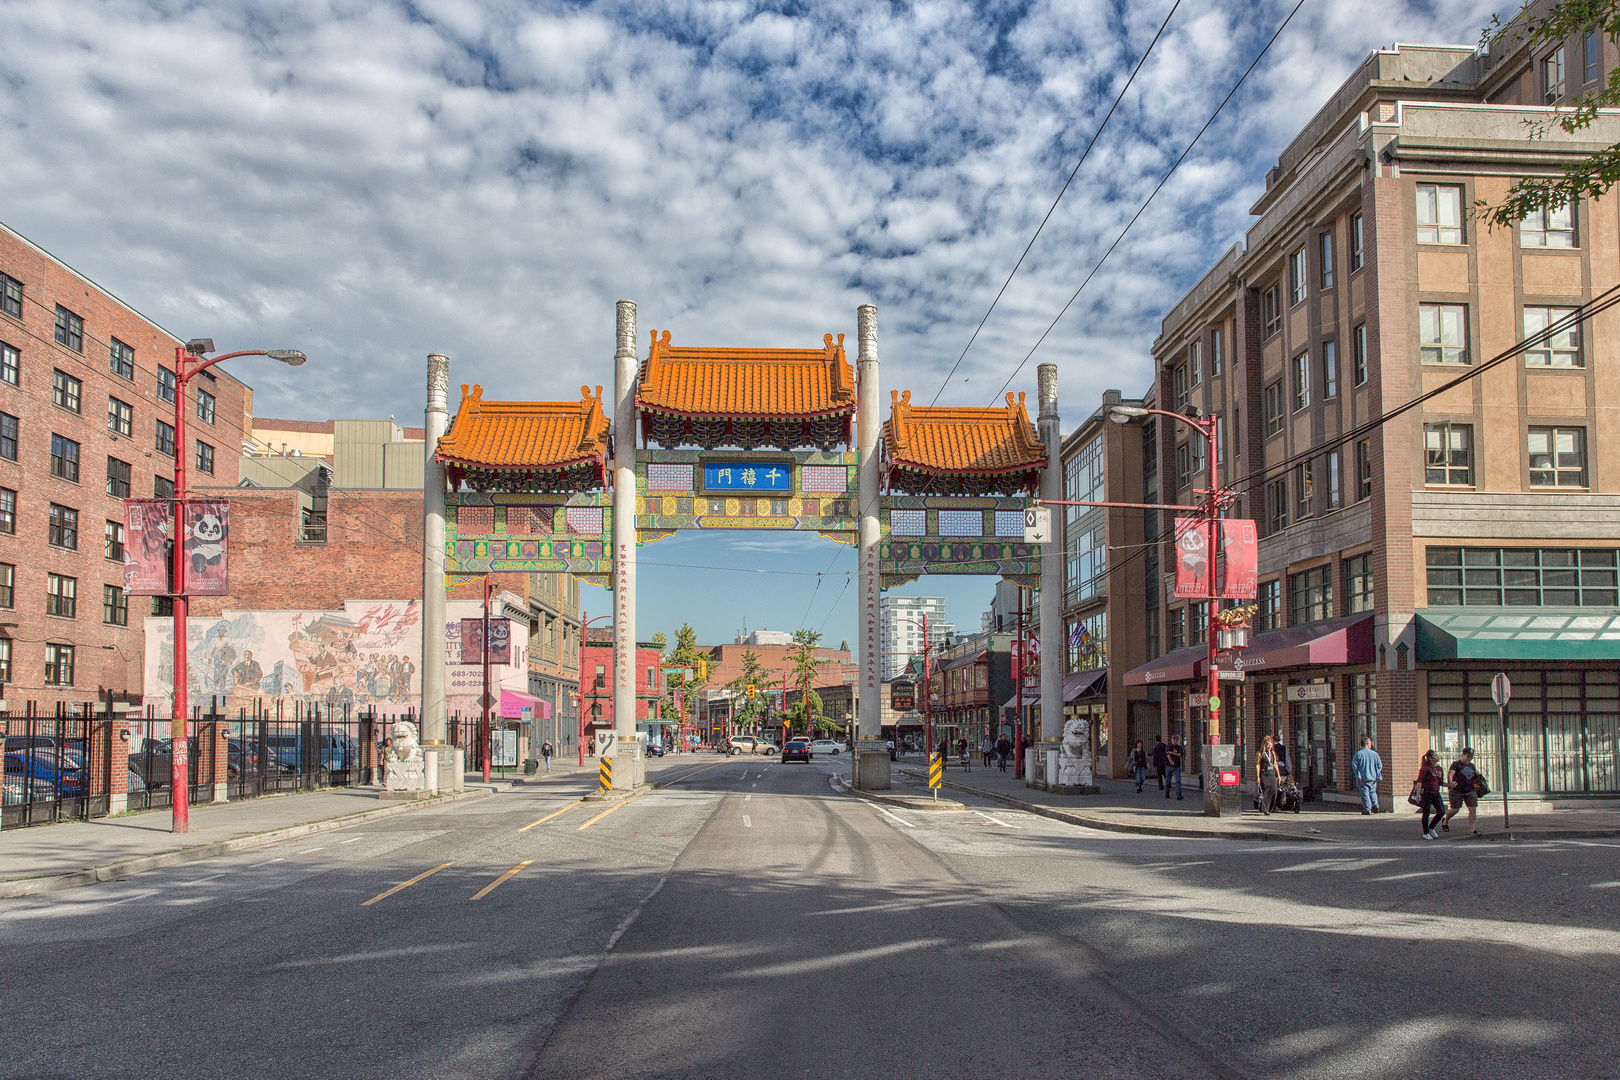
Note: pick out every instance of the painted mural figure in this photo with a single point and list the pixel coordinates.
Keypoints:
(248, 673)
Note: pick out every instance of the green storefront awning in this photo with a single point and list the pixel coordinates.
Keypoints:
(1517, 634)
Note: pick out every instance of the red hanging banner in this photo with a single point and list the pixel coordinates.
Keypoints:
(146, 547)
(1192, 557)
(472, 641)
(1240, 559)
(207, 563)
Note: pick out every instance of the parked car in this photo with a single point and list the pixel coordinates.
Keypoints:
(655, 749)
(750, 744)
(796, 750)
(334, 752)
(154, 762)
(39, 764)
(20, 789)
(826, 746)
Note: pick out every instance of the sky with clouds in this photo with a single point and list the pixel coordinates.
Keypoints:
(371, 181)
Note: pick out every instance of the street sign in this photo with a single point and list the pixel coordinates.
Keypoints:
(1229, 676)
(1501, 689)
(1309, 692)
(936, 771)
(1037, 525)
(1214, 704)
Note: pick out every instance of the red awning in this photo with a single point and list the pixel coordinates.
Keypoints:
(1182, 665)
(1336, 641)
(513, 702)
(1076, 685)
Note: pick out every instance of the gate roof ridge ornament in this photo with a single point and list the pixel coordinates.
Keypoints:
(961, 450)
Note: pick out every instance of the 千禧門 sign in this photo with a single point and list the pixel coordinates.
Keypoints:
(747, 476)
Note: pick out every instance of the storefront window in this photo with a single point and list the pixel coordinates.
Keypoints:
(1363, 708)
(1310, 595)
(1088, 642)
(1563, 727)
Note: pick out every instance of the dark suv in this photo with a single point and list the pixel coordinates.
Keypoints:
(797, 750)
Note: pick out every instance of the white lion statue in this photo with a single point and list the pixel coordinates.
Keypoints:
(405, 768)
(404, 746)
(1074, 760)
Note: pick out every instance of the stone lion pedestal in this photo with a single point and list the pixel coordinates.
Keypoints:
(404, 769)
(1075, 774)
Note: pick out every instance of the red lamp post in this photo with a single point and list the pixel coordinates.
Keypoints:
(188, 361)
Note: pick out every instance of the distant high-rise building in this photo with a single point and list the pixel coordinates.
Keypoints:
(902, 639)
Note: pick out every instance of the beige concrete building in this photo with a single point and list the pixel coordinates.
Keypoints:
(1404, 562)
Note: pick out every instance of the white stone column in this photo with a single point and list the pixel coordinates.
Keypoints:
(624, 524)
(436, 421)
(868, 424)
(1054, 648)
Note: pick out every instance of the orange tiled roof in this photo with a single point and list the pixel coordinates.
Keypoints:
(733, 383)
(940, 439)
(525, 434)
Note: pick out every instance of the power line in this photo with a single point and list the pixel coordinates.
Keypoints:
(1050, 210)
(1148, 201)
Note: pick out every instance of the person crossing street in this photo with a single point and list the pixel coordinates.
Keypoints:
(1368, 769)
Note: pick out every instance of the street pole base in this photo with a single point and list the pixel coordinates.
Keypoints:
(609, 795)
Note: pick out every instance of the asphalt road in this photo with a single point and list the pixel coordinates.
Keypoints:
(745, 920)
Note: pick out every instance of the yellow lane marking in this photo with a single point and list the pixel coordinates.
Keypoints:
(548, 817)
(492, 886)
(606, 812)
(406, 884)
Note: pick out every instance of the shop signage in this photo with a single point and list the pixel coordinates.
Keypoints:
(1197, 699)
(1310, 692)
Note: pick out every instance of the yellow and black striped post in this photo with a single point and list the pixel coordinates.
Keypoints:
(605, 775)
(936, 771)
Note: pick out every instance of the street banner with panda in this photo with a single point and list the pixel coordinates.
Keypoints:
(207, 564)
(147, 560)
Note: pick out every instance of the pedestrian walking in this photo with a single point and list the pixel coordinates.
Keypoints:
(545, 753)
(1003, 749)
(986, 748)
(1160, 760)
(1368, 769)
(1138, 764)
(1462, 781)
(1266, 769)
(1173, 756)
(1428, 783)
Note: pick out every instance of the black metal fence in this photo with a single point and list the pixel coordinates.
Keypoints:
(57, 766)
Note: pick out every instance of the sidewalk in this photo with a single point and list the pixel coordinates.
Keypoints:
(45, 858)
(1118, 808)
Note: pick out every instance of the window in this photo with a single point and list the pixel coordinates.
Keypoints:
(1363, 707)
(10, 364)
(1548, 228)
(1552, 76)
(1358, 347)
(1590, 73)
(205, 406)
(8, 510)
(10, 296)
(1217, 350)
(113, 543)
(1335, 487)
(1448, 453)
(1325, 242)
(1179, 376)
(1271, 311)
(5, 660)
(1195, 364)
(1304, 491)
(1358, 584)
(121, 358)
(1302, 381)
(1150, 446)
(58, 664)
(167, 388)
(601, 676)
(1522, 577)
(1268, 606)
(64, 458)
(69, 329)
(205, 458)
(61, 596)
(1557, 456)
(64, 527)
(1277, 506)
(1310, 596)
(1562, 348)
(1152, 631)
(162, 607)
(1177, 631)
(8, 585)
(117, 478)
(120, 417)
(1330, 369)
(1274, 408)
(66, 390)
(1220, 439)
(114, 606)
(162, 487)
(1184, 466)
(8, 437)
(1296, 277)
(1355, 242)
(1198, 622)
(1443, 333)
(1363, 469)
(164, 443)
(1237, 434)
(1439, 214)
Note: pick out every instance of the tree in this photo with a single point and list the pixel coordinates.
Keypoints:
(806, 666)
(661, 641)
(1593, 175)
(686, 654)
(753, 674)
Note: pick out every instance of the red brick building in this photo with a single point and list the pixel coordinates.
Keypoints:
(596, 682)
(86, 419)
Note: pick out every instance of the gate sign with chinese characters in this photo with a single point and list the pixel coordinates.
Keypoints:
(747, 476)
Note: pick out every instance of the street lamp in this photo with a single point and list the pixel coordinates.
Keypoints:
(188, 361)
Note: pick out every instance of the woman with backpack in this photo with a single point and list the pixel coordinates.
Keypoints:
(1429, 780)
(1137, 763)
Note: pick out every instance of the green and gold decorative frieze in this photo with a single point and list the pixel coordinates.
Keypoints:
(954, 535)
(509, 532)
(746, 489)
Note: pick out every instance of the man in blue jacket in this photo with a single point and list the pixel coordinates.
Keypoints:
(1368, 769)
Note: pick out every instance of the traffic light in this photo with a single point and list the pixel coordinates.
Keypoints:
(750, 691)
(703, 670)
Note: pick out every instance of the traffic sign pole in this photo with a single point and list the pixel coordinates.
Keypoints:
(1502, 693)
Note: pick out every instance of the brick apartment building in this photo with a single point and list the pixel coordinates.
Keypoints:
(87, 405)
(1402, 564)
(596, 685)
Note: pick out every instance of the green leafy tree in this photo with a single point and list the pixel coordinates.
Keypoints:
(1590, 176)
(686, 654)
(806, 713)
(753, 674)
(661, 641)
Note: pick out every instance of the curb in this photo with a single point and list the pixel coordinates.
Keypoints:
(142, 863)
(1074, 818)
(903, 802)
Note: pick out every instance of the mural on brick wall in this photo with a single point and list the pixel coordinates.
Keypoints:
(367, 655)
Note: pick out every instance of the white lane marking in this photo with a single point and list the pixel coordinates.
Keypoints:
(902, 821)
(747, 797)
(307, 850)
(353, 839)
(199, 881)
(267, 862)
(998, 821)
(753, 785)
(747, 822)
